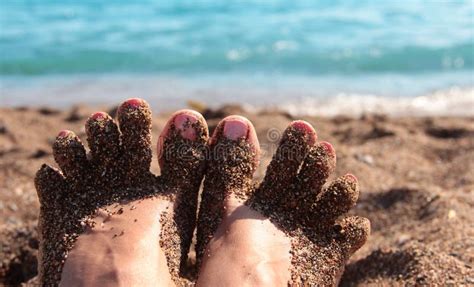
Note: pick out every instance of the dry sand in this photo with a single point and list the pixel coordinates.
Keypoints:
(416, 182)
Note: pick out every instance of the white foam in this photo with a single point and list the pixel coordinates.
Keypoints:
(454, 101)
(299, 96)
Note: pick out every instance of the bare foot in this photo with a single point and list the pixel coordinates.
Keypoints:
(105, 220)
(287, 231)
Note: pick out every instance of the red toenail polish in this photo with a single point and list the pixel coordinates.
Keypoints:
(134, 102)
(184, 122)
(350, 177)
(235, 129)
(301, 125)
(306, 128)
(99, 116)
(64, 133)
(328, 147)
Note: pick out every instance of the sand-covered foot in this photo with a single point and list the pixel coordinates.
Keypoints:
(290, 230)
(105, 219)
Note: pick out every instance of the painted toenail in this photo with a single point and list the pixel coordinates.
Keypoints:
(134, 102)
(329, 148)
(184, 123)
(99, 116)
(350, 177)
(306, 128)
(64, 133)
(235, 129)
(301, 125)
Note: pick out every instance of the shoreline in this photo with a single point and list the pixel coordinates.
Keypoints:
(325, 95)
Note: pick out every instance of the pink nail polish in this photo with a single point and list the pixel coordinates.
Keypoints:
(183, 122)
(350, 177)
(99, 116)
(306, 128)
(328, 147)
(235, 129)
(63, 133)
(134, 102)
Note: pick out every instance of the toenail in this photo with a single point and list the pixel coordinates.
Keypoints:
(350, 177)
(302, 125)
(235, 129)
(99, 116)
(63, 133)
(329, 148)
(184, 123)
(306, 128)
(134, 102)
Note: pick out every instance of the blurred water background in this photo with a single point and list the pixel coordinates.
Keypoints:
(324, 57)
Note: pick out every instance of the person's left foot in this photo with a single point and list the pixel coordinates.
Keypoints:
(105, 219)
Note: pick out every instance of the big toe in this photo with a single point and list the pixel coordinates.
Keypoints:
(233, 158)
(234, 151)
(182, 148)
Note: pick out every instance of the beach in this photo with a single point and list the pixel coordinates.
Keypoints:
(389, 84)
(415, 176)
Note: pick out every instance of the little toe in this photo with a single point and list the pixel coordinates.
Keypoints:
(70, 155)
(134, 117)
(182, 148)
(103, 138)
(50, 185)
(337, 199)
(353, 232)
(298, 138)
(234, 150)
(317, 166)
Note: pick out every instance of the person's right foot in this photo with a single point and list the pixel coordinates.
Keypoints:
(285, 232)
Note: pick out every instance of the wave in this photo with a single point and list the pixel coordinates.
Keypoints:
(455, 101)
(328, 96)
(43, 37)
(404, 60)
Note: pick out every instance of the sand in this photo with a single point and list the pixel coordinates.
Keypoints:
(415, 175)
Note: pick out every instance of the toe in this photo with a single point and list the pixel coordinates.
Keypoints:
(182, 148)
(70, 155)
(103, 138)
(50, 185)
(134, 117)
(336, 200)
(297, 140)
(353, 233)
(181, 154)
(317, 166)
(233, 158)
(234, 151)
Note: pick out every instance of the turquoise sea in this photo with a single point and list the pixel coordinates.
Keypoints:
(256, 52)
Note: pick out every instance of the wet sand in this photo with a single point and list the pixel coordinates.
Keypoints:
(415, 174)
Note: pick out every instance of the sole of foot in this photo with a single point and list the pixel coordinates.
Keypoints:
(289, 230)
(112, 186)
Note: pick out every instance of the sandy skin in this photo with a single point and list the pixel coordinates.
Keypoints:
(413, 173)
(287, 231)
(105, 220)
(113, 240)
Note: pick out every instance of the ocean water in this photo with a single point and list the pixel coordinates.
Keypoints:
(256, 52)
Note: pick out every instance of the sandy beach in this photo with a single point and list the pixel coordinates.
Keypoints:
(415, 175)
